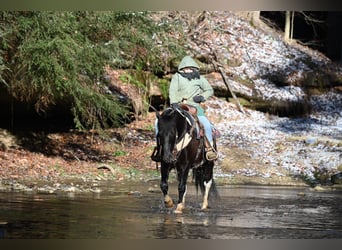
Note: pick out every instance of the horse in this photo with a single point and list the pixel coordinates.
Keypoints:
(182, 146)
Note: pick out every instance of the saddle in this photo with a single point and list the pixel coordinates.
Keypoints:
(191, 109)
(211, 153)
(190, 112)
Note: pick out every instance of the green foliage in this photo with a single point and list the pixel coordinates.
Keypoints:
(51, 60)
(134, 43)
(164, 87)
(119, 153)
(58, 58)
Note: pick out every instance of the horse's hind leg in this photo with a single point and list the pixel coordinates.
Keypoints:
(207, 186)
(208, 181)
(164, 185)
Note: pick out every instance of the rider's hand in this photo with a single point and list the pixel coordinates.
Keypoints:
(198, 98)
(184, 100)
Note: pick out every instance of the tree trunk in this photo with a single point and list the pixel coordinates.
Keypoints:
(287, 25)
(253, 16)
(292, 25)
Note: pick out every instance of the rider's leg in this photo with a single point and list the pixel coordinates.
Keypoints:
(211, 153)
(207, 128)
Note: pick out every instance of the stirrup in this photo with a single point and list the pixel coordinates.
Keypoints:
(211, 155)
(156, 155)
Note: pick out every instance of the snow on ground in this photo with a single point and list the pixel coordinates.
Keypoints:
(272, 70)
(264, 56)
(302, 146)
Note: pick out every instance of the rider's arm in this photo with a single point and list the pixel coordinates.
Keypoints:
(174, 95)
(206, 88)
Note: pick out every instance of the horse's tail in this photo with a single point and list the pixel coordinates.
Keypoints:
(198, 176)
(213, 191)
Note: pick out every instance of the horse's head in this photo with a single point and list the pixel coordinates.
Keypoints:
(171, 125)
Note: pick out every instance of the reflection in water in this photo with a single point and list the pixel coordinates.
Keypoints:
(242, 212)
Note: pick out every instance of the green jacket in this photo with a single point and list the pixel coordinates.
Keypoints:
(182, 88)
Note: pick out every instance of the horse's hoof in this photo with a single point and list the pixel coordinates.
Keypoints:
(168, 202)
(179, 209)
(205, 207)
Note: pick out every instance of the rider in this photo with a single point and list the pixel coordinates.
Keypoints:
(187, 85)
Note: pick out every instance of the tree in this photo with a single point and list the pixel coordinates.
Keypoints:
(58, 58)
(51, 60)
(289, 23)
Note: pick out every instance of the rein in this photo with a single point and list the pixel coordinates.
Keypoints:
(188, 136)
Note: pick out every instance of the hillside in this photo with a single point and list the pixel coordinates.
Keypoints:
(288, 132)
(294, 81)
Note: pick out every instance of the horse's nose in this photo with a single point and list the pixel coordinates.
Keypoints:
(169, 158)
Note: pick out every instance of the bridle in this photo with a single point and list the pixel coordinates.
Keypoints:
(188, 136)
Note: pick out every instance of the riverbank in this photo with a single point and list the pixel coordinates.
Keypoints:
(254, 149)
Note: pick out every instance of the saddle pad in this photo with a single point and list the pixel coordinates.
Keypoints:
(184, 142)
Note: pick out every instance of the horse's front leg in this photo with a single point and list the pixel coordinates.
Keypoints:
(165, 170)
(182, 179)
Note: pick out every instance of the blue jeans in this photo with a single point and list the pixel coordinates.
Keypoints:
(207, 128)
(206, 124)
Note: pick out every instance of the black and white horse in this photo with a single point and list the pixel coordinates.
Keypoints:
(183, 147)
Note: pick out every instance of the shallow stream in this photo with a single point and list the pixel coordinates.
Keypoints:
(136, 211)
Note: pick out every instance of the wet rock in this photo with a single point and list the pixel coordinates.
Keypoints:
(96, 190)
(319, 188)
(311, 140)
(46, 189)
(336, 178)
(134, 193)
(70, 189)
(153, 190)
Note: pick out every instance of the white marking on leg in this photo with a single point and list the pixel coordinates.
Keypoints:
(183, 200)
(180, 206)
(206, 194)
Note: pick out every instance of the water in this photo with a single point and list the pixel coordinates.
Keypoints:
(119, 212)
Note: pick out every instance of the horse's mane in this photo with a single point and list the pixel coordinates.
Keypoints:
(168, 114)
(167, 118)
(176, 112)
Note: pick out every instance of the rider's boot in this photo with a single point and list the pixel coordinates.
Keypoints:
(210, 151)
(211, 154)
